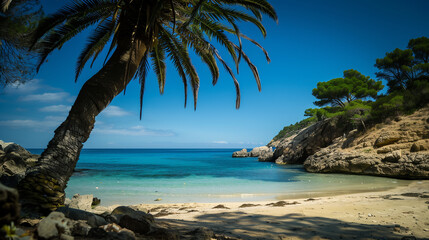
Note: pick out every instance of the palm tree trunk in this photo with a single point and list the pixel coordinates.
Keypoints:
(44, 184)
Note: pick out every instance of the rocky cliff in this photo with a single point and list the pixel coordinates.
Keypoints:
(397, 148)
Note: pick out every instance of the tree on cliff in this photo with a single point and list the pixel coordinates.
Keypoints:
(396, 68)
(339, 91)
(420, 48)
(401, 67)
(139, 31)
(17, 19)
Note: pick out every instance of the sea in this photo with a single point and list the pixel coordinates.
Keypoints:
(133, 176)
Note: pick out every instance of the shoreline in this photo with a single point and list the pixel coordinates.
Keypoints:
(260, 197)
(390, 214)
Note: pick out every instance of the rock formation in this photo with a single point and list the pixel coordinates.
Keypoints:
(14, 161)
(263, 151)
(242, 153)
(399, 148)
(295, 149)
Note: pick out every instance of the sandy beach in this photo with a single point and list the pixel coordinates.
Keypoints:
(392, 214)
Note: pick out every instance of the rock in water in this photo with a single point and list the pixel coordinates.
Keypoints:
(82, 202)
(266, 157)
(242, 153)
(259, 151)
(9, 205)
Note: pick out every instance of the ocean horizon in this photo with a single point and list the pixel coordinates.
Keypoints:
(202, 175)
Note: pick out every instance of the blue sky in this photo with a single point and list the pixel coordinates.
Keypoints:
(314, 41)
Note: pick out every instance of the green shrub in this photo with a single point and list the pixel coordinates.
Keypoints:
(388, 105)
(294, 128)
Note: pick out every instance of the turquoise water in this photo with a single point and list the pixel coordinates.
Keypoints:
(131, 176)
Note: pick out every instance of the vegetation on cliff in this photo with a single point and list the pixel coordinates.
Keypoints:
(406, 73)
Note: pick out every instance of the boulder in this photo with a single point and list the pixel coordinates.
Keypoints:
(387, 138)
(14, 162)
(266, 157)
(239, 154)
(77, 214)
(111, 232)
(80, 228)
(258, 151)
(393, 157)
(9, 205)
(136, 221)
(95, 201)
(55, 225)
(3, 145)
(12, 170)
(164, 233)
(96, 221)
(202, 233)
(82, 202)
(13, 147)
(113, 227)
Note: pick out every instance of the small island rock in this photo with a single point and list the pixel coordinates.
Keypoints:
(242, 153)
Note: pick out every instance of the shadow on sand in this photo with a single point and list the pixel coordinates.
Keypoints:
(291, 226)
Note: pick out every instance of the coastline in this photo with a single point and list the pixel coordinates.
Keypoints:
(391, 214)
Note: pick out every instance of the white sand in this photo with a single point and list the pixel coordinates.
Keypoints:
(352, 216)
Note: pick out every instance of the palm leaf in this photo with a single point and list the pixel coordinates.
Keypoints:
(237, 86)
(142, 73)
(95, 45)
(158, 65)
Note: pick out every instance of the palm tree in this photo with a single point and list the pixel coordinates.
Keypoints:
(138, 31)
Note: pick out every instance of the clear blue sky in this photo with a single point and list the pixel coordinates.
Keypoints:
(314, 41)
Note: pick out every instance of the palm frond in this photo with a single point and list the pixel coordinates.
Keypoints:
(218, 11)
(95, 45)
(142, 73)
(237, 85)
(203, 49)
(76, 10)
(256, 6)
(185, 60)
(216, 30)
(194, 12)
(252, 67)
(158, 65)
(167, 46)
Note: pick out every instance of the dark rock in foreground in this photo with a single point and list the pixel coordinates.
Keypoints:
(9, 205)
(14, 161)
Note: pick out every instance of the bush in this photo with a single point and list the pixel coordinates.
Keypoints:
(387, 106)
(294, 128)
